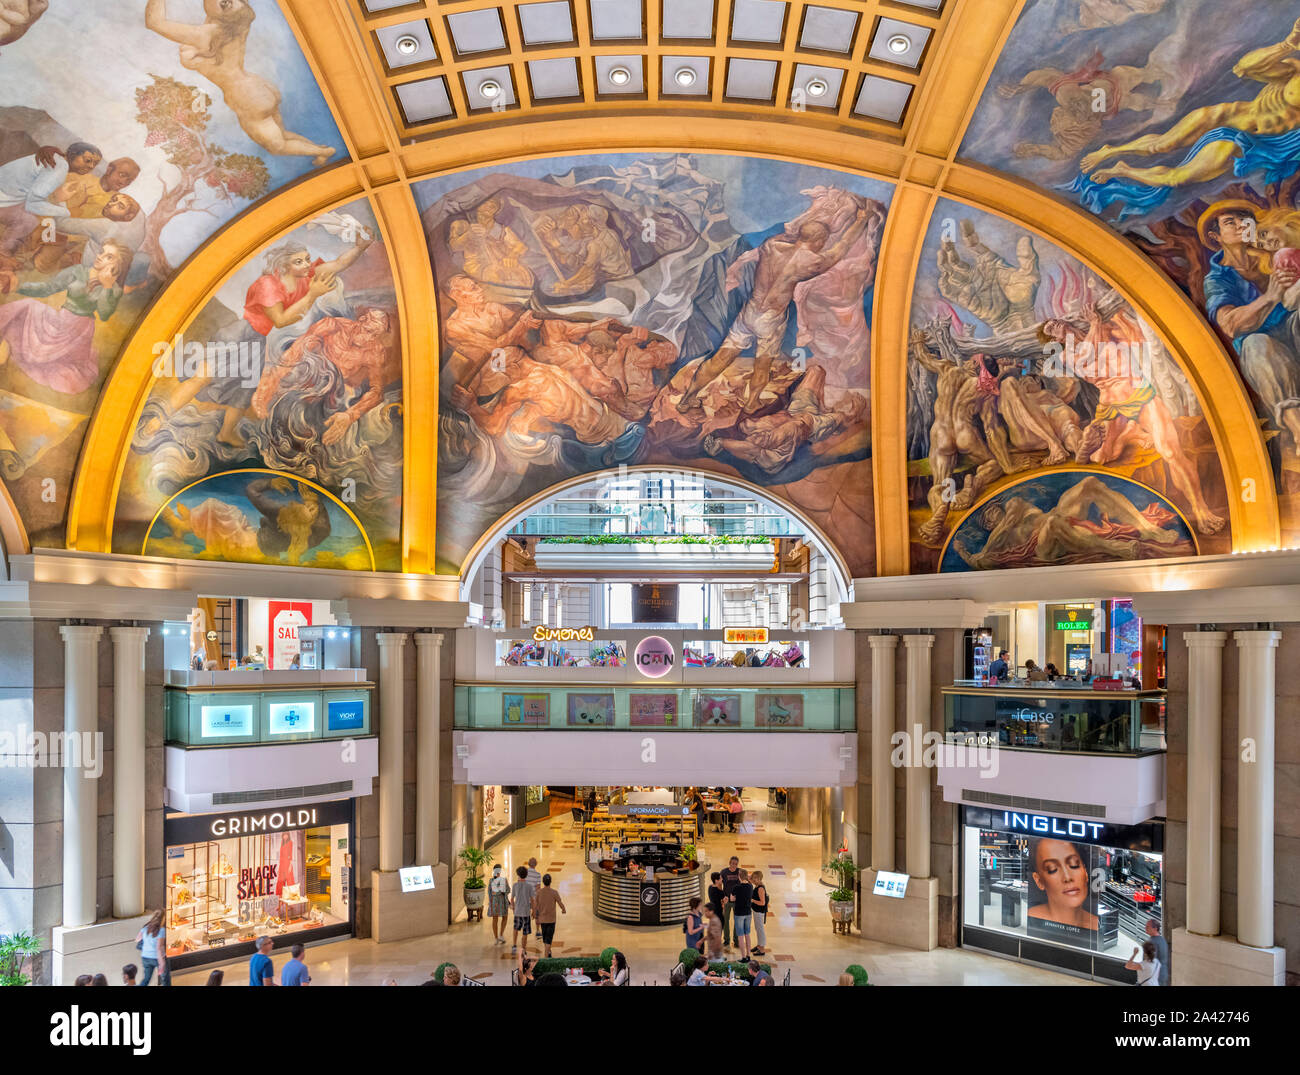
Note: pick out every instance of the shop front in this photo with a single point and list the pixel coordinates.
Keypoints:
(232, 877)
(498, 813)
(1068, 893)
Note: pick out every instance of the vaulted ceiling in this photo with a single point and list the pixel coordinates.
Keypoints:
(970, 124)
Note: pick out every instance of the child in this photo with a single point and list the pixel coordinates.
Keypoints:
(712, 934)
(521, 901)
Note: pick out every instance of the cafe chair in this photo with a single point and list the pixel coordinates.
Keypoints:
(514, 976)
(786, 979)
(470, 981)
(579, 815)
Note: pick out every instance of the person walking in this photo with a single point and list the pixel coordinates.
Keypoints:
(742, 895)
(760, 904)
(152, 943)
(1148, 967)
(1161, 947)
(261, 971)
(545, 900)
(498, 894)
(730, 878)
(693, 925)
(295, 971)
(534, 879)
(521, 904)
(717, 894)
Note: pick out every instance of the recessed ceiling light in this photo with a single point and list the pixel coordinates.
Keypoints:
(816, 87)
(684, 76)
(489, 89)
(899, 44)
(407, 45)
(620, 76)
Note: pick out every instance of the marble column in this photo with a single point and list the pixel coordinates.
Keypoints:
(391, 748)
(129, 781)
(884, 650)
(428, 730)
(80, 791)
(1204, 735)
(917, 845)
(1256, 700)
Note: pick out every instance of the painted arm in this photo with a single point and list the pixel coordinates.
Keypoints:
(1240, 320)
(40, 197)
(183, 33)
(346, 259)
(109, 297)
(837, 250)
(1272, 62)
(43, 289)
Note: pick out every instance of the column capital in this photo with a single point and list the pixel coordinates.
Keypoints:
(129, 633)
(428, 638)
(887, 642)
(393, 639)
(1257, 639)
(918, 641)
(1205, 639)
(80, 633)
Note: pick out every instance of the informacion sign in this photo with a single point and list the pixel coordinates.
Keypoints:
(649, 810)
(292, 718)
(225, 721)
(416, 878)
(891, 884)
(745, 636)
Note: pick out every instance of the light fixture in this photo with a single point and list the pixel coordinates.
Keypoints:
(684, 76)
(489, 89)
(407, 45)
(899, 44)
(816, 87)
(620, 76)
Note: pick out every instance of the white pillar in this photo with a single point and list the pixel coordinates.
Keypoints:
(884, 650)
(918, 776)
(80, 792)
(428, 730)
(128, 770)
(391, 749)
(1204, 734)
(1256, 698)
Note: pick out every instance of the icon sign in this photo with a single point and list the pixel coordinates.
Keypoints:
(654, 656)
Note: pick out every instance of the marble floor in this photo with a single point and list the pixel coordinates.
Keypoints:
(799, 933)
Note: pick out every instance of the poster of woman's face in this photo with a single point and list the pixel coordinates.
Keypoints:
(1062, 905)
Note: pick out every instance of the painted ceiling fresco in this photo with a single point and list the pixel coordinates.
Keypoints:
(1021, 362)
(707, 312)
(130, 131)
(295, 368)
(1178, 123)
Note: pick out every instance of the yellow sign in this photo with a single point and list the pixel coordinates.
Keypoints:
(745, 636)
(564, 634)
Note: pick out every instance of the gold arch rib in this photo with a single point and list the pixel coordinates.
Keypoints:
(919, 158)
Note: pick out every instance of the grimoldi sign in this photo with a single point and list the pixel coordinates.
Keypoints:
(198, 828)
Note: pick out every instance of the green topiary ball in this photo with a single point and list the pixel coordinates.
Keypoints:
(607, 957)
(687, 956)
(859, 974)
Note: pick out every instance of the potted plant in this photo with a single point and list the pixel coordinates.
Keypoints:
(858, 973)
(689, 854)
(14, 952)
(843, 896)
(474, 860)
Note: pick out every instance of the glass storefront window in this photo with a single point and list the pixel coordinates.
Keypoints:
(1080, 884)
(1089, 722)
(240, 884)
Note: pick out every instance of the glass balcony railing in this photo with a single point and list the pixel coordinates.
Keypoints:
(506, 706)
(1080, 722)
(667, 518)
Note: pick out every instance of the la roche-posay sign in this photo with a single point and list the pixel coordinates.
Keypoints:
(225, 721)
(292, 718)
(654, 656)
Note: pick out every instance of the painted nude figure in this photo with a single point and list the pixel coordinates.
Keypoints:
(215, 49)
(17, 17)
(1274, 110)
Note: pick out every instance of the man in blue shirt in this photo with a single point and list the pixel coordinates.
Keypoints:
(998, 669)
(758, 976)
(1263, 324)
(261, 971)
(295, 971)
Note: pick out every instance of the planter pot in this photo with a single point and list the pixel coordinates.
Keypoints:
(842, 910)
(475, 898)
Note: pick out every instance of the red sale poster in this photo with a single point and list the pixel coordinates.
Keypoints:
(283, 620)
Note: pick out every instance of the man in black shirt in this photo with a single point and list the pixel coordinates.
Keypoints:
(730, 878)
(742, 894)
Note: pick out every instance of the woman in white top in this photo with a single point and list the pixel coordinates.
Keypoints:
(152, 942)
(618, 973)
(1148, 967)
